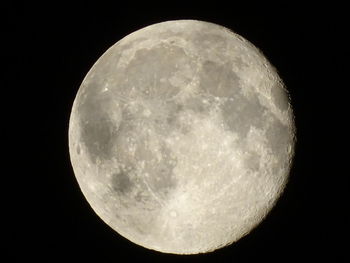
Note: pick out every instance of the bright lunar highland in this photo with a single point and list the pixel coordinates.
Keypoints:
(182, 136)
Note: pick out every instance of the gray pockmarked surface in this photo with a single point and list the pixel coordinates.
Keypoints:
(181, 137)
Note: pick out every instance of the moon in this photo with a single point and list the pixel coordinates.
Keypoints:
(181, 137)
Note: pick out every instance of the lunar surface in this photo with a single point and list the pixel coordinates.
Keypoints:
(181, 137)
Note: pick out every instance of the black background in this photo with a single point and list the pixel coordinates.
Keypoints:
(48, 49)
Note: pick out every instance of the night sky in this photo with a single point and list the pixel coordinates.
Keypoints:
(47, 52)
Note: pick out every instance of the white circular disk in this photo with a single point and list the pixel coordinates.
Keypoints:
(181, 137)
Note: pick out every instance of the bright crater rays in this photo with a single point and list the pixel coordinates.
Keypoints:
(181, 137)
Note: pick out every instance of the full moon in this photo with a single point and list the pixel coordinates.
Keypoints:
(181, 137)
